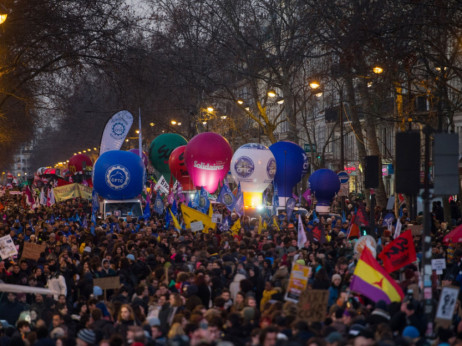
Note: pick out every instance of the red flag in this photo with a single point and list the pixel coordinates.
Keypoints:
(399, 253)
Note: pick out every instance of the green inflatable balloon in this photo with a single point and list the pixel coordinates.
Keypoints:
(160, 150)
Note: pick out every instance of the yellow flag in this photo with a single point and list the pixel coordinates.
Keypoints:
(175, 220)
(265, 225)
(82, 246)
(259, 225)
(192, 215)
(275, 222)
(210, 211)
(236, 227)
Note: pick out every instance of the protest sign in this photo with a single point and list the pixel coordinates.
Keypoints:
(197, 226)
(312, 305)
(217, 218)
(7, 247)
(446, 306)
(297, 282)
(32, 251)
(107, 283)
(439, 264)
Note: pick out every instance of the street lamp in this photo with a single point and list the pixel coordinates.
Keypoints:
(173, 122)
(377, 69)
(3, 14)
(151, 124)
(210, 109)
(272, 93)
(314, 84)
(240, 102)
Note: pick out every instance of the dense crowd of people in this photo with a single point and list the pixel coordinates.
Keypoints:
(196, 288)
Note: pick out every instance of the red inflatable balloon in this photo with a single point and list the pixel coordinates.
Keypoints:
(208, 156)
(178, 168)
(78, 162)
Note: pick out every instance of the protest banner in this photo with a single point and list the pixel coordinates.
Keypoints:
(70, 191)
(32, 251)
(312, 305)
(297, 282)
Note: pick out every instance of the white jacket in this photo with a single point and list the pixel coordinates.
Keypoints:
(235, 287)
(57, 284)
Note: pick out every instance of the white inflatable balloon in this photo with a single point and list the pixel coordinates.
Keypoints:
(253, 165)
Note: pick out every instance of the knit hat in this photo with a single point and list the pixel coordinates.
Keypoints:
(130, 257)
(411, 332)
(97, 291)
(336, 276)
(87, 335)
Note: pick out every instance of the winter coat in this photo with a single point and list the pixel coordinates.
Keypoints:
(234, 287)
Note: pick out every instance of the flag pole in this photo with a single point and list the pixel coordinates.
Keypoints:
(140, 145)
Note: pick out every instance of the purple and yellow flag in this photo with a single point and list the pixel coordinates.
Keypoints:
(372, 281)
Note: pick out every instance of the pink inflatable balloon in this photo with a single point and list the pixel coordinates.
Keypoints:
(207, 157)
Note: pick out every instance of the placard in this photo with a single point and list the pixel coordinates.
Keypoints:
(197, 226)
(312, 305)
(7, 247)
(162, 185)
(107, 283)
(217, 218)
(446, 305)
(32, 251)
(439, 264)
(297, 282)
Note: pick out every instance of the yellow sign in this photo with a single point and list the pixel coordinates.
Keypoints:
(297, 282)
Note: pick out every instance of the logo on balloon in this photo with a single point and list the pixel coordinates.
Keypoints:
(118, 130)
(117, 177)
(271, 168)
(244, 166)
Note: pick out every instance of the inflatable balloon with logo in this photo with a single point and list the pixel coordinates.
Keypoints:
(118, 175)
(178, 168)
(79, 163)
(144, 157)
(253, 165)
(208, 156)
(160, 150)
(290, 162)
(324, 185)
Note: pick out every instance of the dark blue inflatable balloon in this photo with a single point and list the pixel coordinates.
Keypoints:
(324, 183)
(118, 174)
(289, 162)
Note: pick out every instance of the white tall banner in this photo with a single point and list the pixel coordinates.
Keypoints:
(115, 131)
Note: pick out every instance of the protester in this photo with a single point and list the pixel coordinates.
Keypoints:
(182, 287)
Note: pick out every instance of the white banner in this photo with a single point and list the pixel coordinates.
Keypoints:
(115, 131)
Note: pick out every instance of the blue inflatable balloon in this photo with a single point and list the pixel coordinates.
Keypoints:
(324, 184)
(118, 174)
(289, 162)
